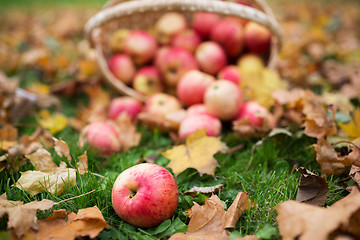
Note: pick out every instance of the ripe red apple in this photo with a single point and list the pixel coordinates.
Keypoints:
(203, 22)
(168, 25)
(102, 136)
(140, 46)
(194, 122)
(231, 73)
(187, 39)
(198, 108)
(211, 57)
(145, 195)
(122, 67)
(192, 86)
(257, 38)
(254, 112)
(162, 103)
(148, 81)
(230, 34)
(223, 99)
(129, 105)
(117, 40)
(174, 63)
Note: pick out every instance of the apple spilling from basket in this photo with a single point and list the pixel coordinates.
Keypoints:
(193, 68)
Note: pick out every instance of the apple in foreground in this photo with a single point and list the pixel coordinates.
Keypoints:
(145, 195)
(223, 99)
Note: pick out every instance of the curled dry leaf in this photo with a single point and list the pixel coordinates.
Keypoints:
(82, 164)
(355, 175)
(194, 191)
(21, 216)
(210, 221)
(68, 225)
(198, 152)
(308, 222)
(47, 176)
(312, 188)
(62, 149)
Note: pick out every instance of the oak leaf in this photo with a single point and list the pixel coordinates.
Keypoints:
(306, 222)
(21, 216)
(68, 225)
(210, 221)
(198, 152)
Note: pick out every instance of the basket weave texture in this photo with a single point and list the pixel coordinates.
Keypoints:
(142, 14)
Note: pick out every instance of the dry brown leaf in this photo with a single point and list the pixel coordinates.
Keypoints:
(82, 164)
(317, 122)
(308, 222)
(128, 136)
(21, 216)
(47, 176)
(355, 175)
(155, 121)
(194, 191)
(62, 149)
(210, 221)
(312, 188)
(198, 152)
(249, 237)
(68, 225)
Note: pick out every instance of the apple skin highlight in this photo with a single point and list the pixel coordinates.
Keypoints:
(145, 195)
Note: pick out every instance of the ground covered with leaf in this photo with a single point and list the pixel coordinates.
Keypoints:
(298, 178)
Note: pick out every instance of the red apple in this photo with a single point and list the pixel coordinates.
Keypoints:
(117, 40)
(192, 86)
(194, 122)
(211, 57)
(140, 46)
(122, 67)
(145, 195)
(254, 112)
(148, 81)
(198, 108)
(231, 73)
(129, 105)
(102, 136)
(223, 99)
(203, 22)
(161, 104)
(187, 39)
(168, 25)
(175, 62)
(230, 35)
(257, 38)
(160, 56)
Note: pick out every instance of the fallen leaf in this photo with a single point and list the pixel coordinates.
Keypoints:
(317, 122)
(307, 222)
(355, 174)
(194, 191)
(248, 237)
(312, 188)
(21, 216)
(160, 122)
(68, 225)
(210, 221)
(82, 164)
(198, 152)
(62, 149)
(128, 136)
(47, 176)
(353, 127)
(53, 122)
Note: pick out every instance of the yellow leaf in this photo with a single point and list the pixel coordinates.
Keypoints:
(39, 88)
(353, 127)
(54, 123)
(198, 152)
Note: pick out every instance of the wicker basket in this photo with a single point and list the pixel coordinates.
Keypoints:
(141, 14)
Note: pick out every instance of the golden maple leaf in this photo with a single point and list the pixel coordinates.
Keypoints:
(198, 152)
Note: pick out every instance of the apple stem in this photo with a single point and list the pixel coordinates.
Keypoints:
(133, 193)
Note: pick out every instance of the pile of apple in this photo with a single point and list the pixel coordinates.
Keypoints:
(192, 67)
